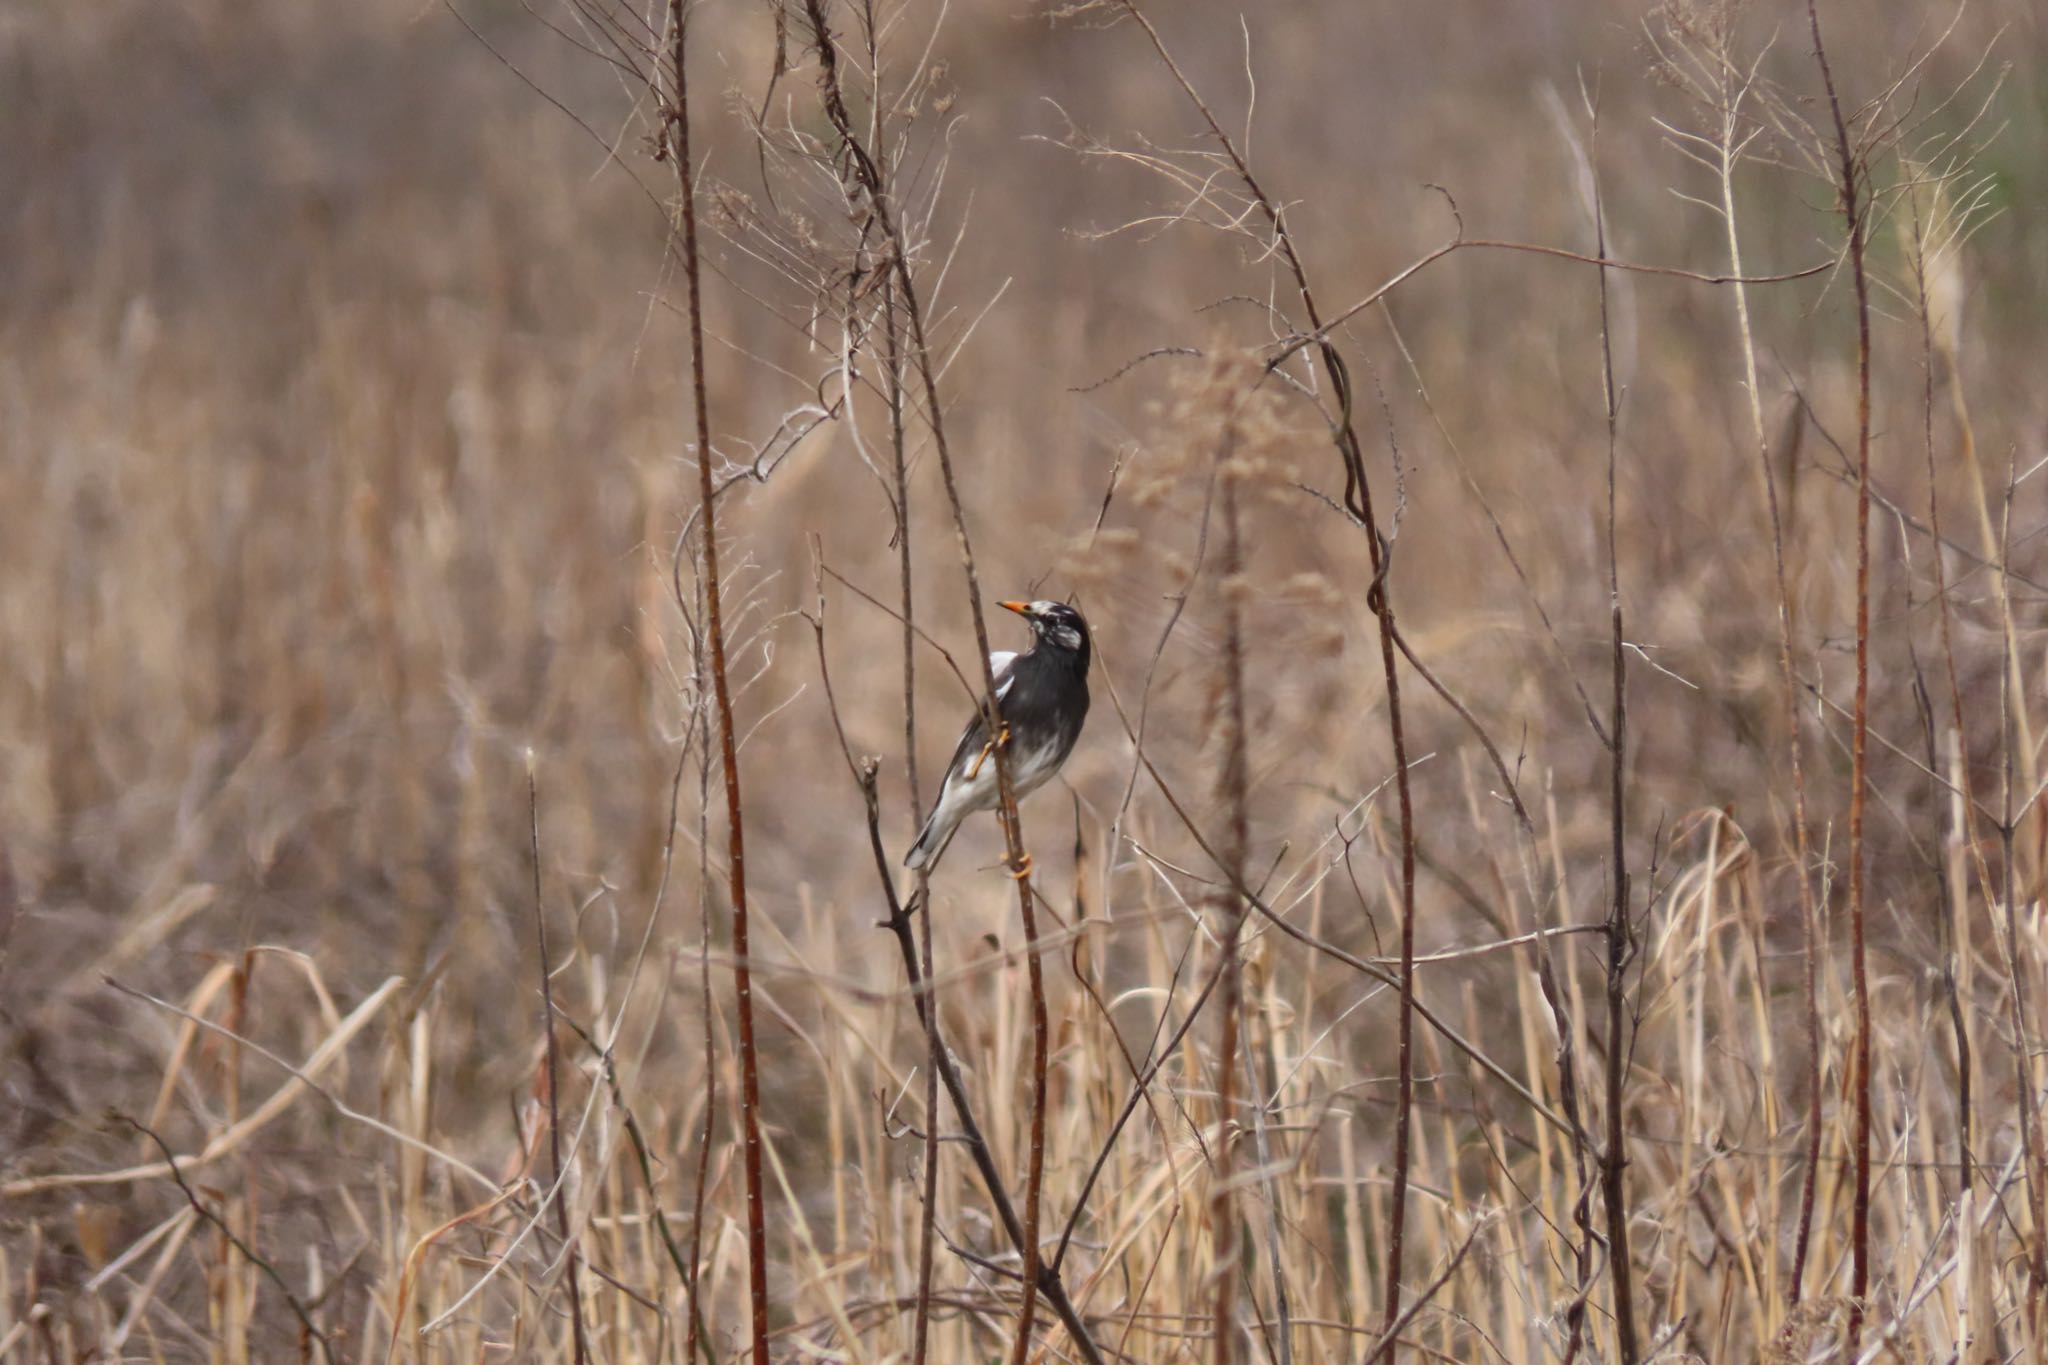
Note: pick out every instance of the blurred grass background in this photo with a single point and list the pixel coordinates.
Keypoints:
(345, 443)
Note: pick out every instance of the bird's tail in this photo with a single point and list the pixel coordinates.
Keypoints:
(933, 838)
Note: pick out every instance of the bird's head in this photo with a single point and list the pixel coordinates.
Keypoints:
(1055, 623)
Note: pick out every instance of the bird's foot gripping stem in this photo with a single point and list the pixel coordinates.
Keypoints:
(1002, 739)
(1022, 869)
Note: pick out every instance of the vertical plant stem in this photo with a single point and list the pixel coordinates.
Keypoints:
(1358, 501)
(1809, 919)
(1562, 1022)
(921, 1324)
(1263, 1086)
(2023, 1052)
(866, 775)
(701, 719)
(547, 1004)
(928, 1211)
(1852, 214)
(1620, 942)
(1965, 815)
(970, 1136)
(1404, 1099)
(881, 198)
(714, 626)
(1223, 1219)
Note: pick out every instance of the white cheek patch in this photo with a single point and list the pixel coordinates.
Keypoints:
(1068, 637)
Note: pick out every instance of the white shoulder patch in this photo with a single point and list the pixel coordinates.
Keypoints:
(999, 664)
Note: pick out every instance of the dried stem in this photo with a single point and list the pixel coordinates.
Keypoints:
(1141, 1082)
(1223, 1219)
(1620, 939)
(547, 1004)
(1358, 501)
(1727, 142)
(644, 1164)
(292, 1301)
(880, 198)
(2023, 1047)
(921, 1325)
(1725, 87)
(678, 116)
(865, 776)
(1850, 201)
(1964, 818)
(701, 719)
(1568, 1097)
(899, 464)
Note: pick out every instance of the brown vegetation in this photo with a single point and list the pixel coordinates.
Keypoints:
(1553, 872)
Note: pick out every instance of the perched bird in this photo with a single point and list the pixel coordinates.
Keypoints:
(1042, 697)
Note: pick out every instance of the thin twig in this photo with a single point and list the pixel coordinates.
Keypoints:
(1392, 1331)
(270, 1272)
(1322, 330)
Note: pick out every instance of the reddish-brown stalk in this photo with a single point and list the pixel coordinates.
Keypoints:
(678, 116)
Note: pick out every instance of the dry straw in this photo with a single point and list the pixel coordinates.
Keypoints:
(1553, 870)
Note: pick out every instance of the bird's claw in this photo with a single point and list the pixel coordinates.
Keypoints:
(1001, 741)
(1022, 869)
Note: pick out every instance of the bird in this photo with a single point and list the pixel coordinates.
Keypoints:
(1042, 701)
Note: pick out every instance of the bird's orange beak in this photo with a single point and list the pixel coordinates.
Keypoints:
(1021, 608)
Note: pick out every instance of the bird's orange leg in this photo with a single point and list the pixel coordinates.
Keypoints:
(1002, 738)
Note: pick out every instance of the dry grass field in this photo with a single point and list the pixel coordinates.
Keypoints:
(1563, 1003)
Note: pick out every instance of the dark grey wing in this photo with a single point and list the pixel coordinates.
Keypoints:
(975, 736)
